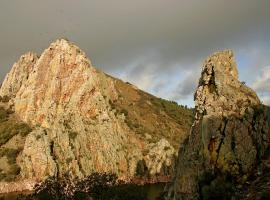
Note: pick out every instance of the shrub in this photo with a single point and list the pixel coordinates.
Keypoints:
(66, 188)
(265, 195)
(166, 148)
(38, 137)
(5, 99)
(216, 188)
(129, 123)
(124, 111)
(14, 169)
(73, 135)
(2, 176)
(141, 168)
(68, 160)
(11, 154)
(3, 114)
(23, 129)
(66, 124)
(9, 129)
(136, 125)
(96, 186)
(175, 111)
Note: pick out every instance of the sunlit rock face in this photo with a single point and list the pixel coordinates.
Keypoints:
(230, 132)
(76, 128)
(18, 74)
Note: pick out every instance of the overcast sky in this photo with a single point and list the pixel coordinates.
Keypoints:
(158, 45)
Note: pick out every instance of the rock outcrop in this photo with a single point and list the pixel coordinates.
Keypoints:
(18, 75)
(230, 132)
(84, 121)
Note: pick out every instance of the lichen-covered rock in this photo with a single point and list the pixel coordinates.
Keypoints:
(18, 74)
(230, 132)
(65, 96)
(160, 158)
(37, 158)
(84, 121)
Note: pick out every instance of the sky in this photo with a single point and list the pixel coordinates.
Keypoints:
(157, 45)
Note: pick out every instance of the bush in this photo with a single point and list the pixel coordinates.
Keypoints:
(11, 154)
(2, 176)
(265, 195)
(3, 114)
(14, 169)
(9, 129)
(216, 188)
(4, 99)
(66, 188)
(23, 129)
(73, 135)
(175, 111)
(141, 168)
(96, 186)
(124, 111)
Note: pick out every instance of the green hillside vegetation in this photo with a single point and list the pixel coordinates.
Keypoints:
(148, 115)
(12, 137)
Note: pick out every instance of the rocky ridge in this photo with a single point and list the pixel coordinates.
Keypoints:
(84, 121)
(230, 133)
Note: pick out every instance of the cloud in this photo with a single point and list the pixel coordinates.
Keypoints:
(266, 100)
(262, 82)
(161, 41)
(262, 85)
(187, 87)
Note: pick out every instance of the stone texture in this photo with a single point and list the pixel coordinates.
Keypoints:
(36, 159)
(160, 157)
(67, 102)
(230, 132)
(18, 74)
(12, 187)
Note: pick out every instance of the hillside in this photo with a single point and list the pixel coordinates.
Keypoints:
(63, 116)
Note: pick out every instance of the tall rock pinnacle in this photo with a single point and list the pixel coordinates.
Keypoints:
(230, 132)
(84, 121)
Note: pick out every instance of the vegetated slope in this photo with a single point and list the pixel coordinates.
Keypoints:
(12, 137)
(84, 121)
(230, 135)
(152, 117)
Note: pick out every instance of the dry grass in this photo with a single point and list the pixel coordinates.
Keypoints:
(9, 148)
(147, 114)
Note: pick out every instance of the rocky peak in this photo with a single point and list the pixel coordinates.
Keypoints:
(62, 76)
(230, 132)
(219, 83)
(65, 96)
(18, 74)
(84, 121)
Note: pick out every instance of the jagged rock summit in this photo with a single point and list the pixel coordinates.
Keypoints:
(84, 121)
(18, 74)
(230, 132)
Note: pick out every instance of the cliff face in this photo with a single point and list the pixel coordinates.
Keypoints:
(18, 75)
(84, 121)
(230, 132)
